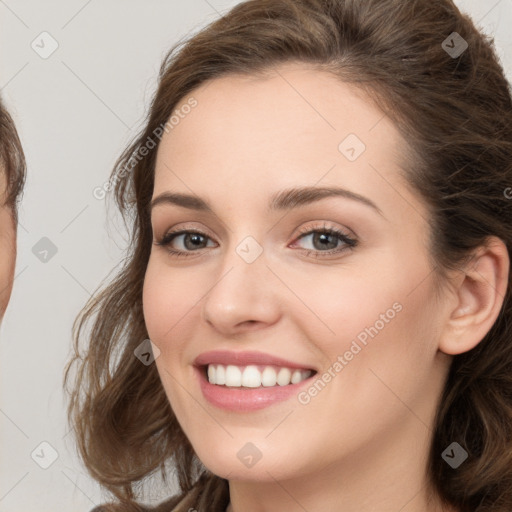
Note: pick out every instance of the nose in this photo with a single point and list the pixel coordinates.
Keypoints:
(243, 297)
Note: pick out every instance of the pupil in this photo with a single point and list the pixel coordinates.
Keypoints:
(195, 239)
(324, 238)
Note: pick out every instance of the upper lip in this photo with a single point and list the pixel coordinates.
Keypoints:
(226, 357)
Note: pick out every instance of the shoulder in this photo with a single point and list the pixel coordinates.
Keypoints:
(209, 494)
(167, 506)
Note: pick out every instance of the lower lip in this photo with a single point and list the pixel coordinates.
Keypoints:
(247, 399)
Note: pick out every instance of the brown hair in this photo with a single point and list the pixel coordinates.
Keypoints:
(454, 111)
(12, 161)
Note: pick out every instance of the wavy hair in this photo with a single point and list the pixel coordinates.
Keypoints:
(12, 161)
(455, 113)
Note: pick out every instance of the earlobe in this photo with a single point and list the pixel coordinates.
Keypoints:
(479, 298)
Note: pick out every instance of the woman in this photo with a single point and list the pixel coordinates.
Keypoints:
(12, 179)
(320, 258)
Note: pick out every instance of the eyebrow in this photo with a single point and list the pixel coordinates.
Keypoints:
(284, 200)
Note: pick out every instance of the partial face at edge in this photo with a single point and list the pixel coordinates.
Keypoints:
(7, 249)
(246, 141)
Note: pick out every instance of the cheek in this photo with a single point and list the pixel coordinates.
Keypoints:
(379, 315)
(387, 335)
(340, 305)
(7, 258)
(154, 303)
(167, 297)
(6, 282)
(167, 300)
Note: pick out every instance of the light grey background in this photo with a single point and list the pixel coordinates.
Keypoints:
(75, 112)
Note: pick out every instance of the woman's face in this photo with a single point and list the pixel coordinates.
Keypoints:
(263, 276)
(7, 248)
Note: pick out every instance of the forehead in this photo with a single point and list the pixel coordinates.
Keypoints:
(291, 128)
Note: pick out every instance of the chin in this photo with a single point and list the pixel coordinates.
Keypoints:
(242, 460)
(235, 470)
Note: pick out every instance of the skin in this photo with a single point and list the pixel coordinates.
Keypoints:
(7, 250)
(361, 443)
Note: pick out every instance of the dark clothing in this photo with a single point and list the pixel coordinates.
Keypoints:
(209, 494)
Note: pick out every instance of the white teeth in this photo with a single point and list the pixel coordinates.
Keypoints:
(220, 374)
(269, 377)
(233, 376)
(251, 376)
(296, 377)
(284, 376)
(211, 373)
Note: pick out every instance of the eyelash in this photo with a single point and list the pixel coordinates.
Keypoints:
(350, 243)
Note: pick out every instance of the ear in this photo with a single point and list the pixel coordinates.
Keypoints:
(478, 297)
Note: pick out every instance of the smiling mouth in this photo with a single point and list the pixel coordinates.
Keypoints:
(254, 376)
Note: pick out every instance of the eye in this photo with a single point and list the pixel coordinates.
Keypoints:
(325, 240)
(191, 241)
